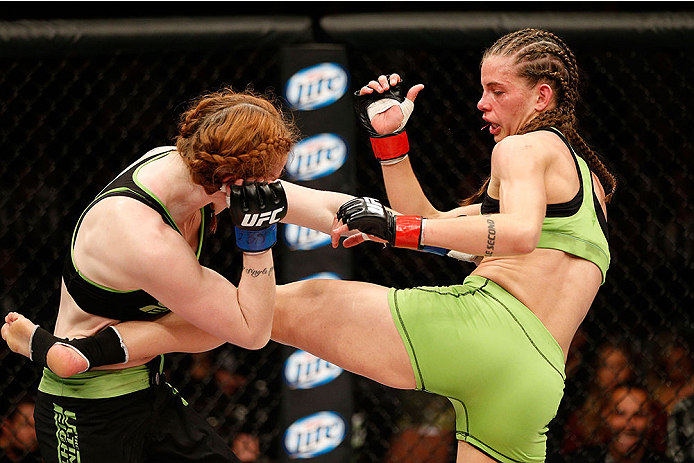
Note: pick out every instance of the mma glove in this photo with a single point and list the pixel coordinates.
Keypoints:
(369, 216)
(389, 148)
(255, 209)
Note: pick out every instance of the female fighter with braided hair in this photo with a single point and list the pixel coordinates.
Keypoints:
(496, 344)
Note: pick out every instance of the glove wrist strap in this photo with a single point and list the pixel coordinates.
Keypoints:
(408, 231)
(251, 241)
(392, 162)
(390, 147)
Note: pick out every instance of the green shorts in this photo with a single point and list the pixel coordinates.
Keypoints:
(491, 356)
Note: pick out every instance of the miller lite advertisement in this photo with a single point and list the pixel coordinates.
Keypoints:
(317, 402)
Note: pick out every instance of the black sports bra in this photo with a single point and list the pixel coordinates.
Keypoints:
(105, 302)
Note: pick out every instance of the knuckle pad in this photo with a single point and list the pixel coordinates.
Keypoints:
(258, 205)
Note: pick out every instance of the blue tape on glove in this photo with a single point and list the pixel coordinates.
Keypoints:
(256, 241)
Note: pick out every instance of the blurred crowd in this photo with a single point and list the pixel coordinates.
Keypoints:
(637, 400)
(636, 406)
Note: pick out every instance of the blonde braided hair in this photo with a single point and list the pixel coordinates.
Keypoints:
(228, 134)
(541, 56)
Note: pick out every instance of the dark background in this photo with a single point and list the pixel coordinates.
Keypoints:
(316, 10)
(69, 123)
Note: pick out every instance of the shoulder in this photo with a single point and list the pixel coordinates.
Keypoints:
(158, 150)
(121, 214)
(533, 151)
(542, 149)
(120, 240)
(134, 231)
(539, 143)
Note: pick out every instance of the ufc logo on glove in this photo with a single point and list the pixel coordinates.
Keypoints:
(257, 220)
(374, 206)
(255, 209)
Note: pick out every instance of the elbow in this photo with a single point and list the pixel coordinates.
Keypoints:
(525, 241)
(256, 341)
(524, 248)
(257, 321)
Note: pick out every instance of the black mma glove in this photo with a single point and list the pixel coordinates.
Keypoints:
(369, 216)
(389, 148)
(255, 209)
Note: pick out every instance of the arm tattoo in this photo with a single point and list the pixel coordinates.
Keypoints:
(257, 272)
(491, 237)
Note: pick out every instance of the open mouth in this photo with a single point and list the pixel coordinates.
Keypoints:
(629, 438)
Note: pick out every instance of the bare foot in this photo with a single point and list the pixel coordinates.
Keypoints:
(17, 332)
(64, 361)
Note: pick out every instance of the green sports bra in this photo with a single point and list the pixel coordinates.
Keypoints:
(578, 226)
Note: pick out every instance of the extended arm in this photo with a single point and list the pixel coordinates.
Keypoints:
(405, 194)
(175, 332)
(518, 168)
(312, 208)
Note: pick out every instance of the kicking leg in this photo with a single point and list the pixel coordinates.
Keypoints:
(343, 322)
(469, 454)
(346, 323)
(62, 360)
(143, 339)
(170, 333)
(17, 332)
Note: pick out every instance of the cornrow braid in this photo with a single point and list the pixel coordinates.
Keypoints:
(541, 56)
(257, 162)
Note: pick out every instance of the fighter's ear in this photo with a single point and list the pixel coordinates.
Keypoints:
(545, 95)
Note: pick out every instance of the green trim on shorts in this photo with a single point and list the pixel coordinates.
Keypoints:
(99, 384)
(400, 325)
(491, 357)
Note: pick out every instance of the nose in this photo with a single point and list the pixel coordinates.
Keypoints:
(482, 104)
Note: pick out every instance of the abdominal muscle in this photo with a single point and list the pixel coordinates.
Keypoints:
(557, 287)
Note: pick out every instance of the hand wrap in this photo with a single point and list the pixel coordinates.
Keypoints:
(104, 348)
(389, 148)
(255, 209)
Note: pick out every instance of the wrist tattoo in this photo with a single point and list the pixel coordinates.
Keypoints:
(254, 272)
(491, 237)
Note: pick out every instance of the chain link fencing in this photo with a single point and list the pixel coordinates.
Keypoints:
(71, 122)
